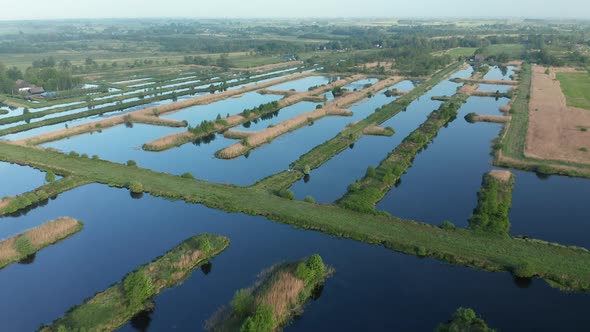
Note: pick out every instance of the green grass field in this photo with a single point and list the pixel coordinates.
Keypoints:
(513, 50)
(22, 61)
(461, 51)
(576, 88)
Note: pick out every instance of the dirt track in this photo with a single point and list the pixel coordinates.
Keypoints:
(501, 175)
(554, 131)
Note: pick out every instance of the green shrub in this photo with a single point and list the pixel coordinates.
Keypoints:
(448, 225)
(205, 245)
(523, 270)
(309, 199)
(74, 154)
(470, 117)
(583, 129)
(95, 157)
(464, 319)
(355, 186)
(136, 187)
(242, 302)
(49, 177)
(131, 163)
(493, 206)
(371, 172)
(187, 175)
(547, 170)
(286, 193)
(311, 270)
(138, 288)
(421, 251)
(23, 246)
(262, 321)
(306, 170)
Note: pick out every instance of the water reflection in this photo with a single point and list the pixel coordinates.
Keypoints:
(28, 260)
(142, 321)
(135, 195)
(316, 293)
(205, 139)
(306, 178)
(24, 211)
(521, 282)
(207, 268)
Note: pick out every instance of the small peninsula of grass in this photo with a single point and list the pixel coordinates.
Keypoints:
(464, 320)
(277, 297)
(115, 306)
(14, 204)
(494, 202)
(25, 244)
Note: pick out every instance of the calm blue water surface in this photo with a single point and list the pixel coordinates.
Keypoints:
(120, 234)
(16, 179)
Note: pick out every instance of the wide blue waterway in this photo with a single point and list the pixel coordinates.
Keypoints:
(372, 288)
(16, 179)
(330, 181)
(443, 182)
(444, 179)
(552, 208)
(120, 144)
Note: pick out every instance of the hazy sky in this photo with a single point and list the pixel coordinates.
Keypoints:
(43, 9)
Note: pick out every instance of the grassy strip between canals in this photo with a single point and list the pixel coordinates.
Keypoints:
(464, 319)
(327, 150)
(493, 203)
(26, 244)
(277, 297)
(563, 266)
(115, 306)
(515, 136)
(364, 194)
(39, 196)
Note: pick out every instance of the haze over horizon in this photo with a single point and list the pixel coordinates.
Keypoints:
(62, 9)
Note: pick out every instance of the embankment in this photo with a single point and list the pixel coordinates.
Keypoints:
(563, 266)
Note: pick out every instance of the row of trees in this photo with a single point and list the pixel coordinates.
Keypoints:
(7, 78)
(42, 73)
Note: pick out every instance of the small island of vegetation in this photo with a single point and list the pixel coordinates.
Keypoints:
(274, 300)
